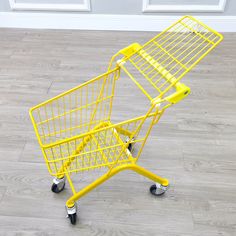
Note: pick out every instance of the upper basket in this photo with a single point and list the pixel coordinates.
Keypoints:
(165, 59)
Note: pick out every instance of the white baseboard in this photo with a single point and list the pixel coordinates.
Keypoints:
(105, 22)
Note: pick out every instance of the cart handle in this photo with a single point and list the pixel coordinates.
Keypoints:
(182, 91)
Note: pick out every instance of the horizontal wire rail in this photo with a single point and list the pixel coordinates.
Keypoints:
(75, 130)
(165, 59)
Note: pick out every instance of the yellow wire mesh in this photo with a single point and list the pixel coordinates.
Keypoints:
(76, 132)
(166, 58)
(75, 129)
(101, 148)
(75, 112)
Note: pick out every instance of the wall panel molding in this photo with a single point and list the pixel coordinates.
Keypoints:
(48, 20)
(147, 7)
(85, 6)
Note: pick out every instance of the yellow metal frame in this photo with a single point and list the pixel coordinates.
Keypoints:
(74, 129)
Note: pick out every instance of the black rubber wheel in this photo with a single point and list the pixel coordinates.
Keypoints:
(130, 147)
(153, 189)
(73, 218)
(55, 188)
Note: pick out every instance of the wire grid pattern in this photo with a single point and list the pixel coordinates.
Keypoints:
(104, 147)
(75, 112)
(76, 132)
(74, 128)
(171, 54)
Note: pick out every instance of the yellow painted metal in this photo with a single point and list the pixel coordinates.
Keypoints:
(138, 169)
(165, 59)
(78, 150)
(75, 129)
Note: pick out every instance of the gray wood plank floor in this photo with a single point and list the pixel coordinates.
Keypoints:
(194, 144)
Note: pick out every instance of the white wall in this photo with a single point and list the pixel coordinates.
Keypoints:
(114, 14)
(128, 7)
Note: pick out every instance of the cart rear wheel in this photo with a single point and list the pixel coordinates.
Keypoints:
(58, 185)
(158, 189)
(130, 147)
(56, 189)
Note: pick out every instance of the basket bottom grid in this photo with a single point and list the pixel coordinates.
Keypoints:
(101, 149)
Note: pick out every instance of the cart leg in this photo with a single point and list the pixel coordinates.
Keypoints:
(163, 183)
(71, 201)
(159, 188)
(142, 171)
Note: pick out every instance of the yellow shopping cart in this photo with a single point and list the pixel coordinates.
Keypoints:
(76, 131)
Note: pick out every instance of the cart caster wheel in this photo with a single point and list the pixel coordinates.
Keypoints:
(131, 145)
(71, 214)
(72, 218)
(158, 189)
(58, 185)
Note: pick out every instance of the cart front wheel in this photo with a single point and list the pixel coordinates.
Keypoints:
(72, 218)
(58, 185)
(71, 214)
(158, 189)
